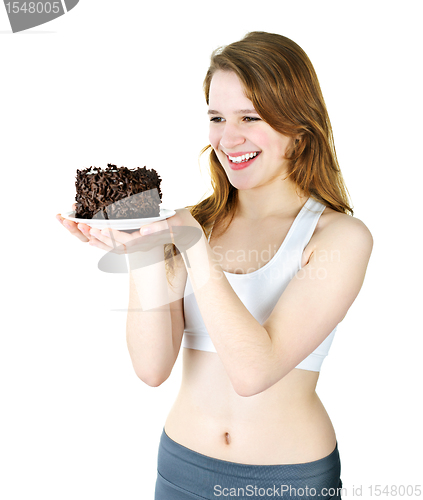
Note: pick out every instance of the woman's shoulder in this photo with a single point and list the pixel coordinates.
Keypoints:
(338, 234)
(339, 227)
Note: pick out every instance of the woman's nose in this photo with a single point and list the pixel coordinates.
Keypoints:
(231, 137)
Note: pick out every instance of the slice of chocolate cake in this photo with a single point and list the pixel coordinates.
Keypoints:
(117, 193)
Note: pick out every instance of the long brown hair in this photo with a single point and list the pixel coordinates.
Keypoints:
(280, 81)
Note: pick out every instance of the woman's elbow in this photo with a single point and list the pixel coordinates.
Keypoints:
(248, 390)
(153, 382)
(246, 387)
(152, 379)
(252, 383)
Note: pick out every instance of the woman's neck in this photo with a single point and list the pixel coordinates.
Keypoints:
(281, 198)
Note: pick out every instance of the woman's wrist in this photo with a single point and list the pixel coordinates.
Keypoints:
(144, 258)
(201, 263)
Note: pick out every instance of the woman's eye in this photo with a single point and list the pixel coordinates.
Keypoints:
(251, 119)
(216, 119)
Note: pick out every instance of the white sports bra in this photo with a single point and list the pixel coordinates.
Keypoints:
(260, 290)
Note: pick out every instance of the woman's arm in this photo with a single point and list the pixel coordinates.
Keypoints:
(155, 321)
(257, 356)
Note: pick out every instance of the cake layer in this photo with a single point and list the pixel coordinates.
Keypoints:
(117, 193)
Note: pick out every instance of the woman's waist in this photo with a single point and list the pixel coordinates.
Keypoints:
(254, 432)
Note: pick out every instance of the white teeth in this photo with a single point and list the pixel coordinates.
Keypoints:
(239, 159)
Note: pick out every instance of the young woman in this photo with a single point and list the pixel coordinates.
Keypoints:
(256, 301)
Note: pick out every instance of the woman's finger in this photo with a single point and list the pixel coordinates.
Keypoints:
(94, 242)
(154, 227)
(121, 237)
(72, 228)
(109, 240)
(84, 228)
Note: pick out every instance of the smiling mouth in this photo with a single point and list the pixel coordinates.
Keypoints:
(243, 158)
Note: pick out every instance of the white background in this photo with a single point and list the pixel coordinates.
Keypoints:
(121, 82)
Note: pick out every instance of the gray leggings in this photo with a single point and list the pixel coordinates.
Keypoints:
(184, 474)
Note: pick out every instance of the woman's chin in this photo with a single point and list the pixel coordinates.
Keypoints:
(242, 184)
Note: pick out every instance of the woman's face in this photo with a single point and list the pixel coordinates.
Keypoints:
(249, 149)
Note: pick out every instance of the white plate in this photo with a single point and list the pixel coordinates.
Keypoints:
(119, 224)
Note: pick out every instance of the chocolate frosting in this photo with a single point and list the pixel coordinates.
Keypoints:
(110, 193)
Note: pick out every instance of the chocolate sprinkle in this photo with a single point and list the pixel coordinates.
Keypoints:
(109, 193)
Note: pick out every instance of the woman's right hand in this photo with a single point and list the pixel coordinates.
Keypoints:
(119, 242)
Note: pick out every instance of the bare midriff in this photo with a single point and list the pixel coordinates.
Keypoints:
(285, 424)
